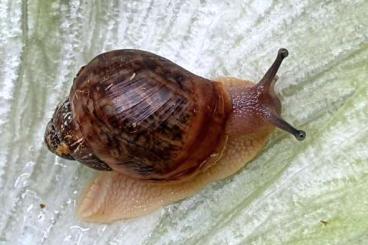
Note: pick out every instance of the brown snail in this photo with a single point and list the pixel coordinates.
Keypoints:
(164, 131)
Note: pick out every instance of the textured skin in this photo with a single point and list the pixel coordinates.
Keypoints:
(250, 106)
(147, 117)
(113, 196)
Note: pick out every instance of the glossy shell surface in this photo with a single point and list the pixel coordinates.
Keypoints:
(147, 117)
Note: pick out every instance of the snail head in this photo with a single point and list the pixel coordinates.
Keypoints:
(258, 106)
(271, 105)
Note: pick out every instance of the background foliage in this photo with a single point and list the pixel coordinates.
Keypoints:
(312, 192)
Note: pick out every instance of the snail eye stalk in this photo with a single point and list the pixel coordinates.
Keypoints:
(265, 85)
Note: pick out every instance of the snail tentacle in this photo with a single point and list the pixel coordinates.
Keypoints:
(277, 121)
(270, 75)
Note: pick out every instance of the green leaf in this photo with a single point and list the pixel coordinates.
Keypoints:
(310, 192)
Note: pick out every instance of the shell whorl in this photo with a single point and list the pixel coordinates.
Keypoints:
(146, 116)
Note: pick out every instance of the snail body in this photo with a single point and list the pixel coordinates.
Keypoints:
(158, 131)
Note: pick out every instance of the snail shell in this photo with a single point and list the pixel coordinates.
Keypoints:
(148, 117)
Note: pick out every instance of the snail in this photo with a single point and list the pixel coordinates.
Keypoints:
(158, 132)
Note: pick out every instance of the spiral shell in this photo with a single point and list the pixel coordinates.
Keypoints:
(147, 117)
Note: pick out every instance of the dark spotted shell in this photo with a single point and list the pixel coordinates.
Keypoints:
(147, 117)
